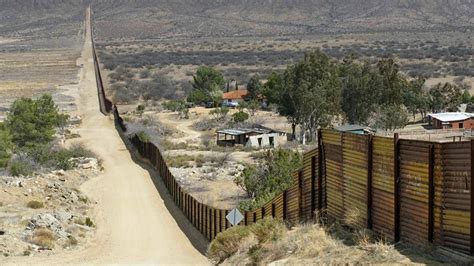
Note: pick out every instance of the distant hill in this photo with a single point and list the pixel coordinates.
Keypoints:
(188, 18)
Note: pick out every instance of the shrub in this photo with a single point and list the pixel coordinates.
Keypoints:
(240, 117)
(34, 204)
(143, 136)
(234, 239)
(227, 243)
(46, 155)
(6, 146)
(271, 177)
(32, 122)
(89, 222)
(43, 237)
(18, 167)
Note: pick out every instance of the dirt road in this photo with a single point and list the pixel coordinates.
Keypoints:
(135, 222)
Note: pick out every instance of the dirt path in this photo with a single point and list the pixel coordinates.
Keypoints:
(135, 223)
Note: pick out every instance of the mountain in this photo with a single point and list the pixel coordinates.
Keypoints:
(192, 18)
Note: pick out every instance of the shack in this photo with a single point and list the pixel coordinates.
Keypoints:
(250, 137)
(356, 129)
(454, 120)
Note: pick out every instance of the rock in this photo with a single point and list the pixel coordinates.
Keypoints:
(63, 215)
(85, 163)
(58, 172)
(47, 220)
(73, 196)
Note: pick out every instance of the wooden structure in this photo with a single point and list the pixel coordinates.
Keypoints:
(452, 120)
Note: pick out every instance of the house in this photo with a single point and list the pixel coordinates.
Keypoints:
(356, 129)
(235, 96)
(250, 137)
(453, 120)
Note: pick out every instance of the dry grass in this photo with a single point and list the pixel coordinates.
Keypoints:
(309, 244)
(43, 237)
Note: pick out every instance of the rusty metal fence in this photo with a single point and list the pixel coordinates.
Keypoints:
(415, 191)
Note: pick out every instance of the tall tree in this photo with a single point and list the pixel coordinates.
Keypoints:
(360, 91)
(312, 93)
(208, 84)
(445, 97)
(254, 87)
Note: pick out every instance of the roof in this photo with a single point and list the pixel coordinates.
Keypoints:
(347, 128)
(451, 116)
(234, 95)
(242, 131)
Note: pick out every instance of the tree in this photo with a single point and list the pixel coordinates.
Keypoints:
(466, 97)
(219, 113)
(391, 117)
(415, 98)
(253, 106)
(6, 145)
(273, 88)
(209, 83)
(240, 117)
(392, 82)
(445, 97)
(254, 87)
(271, 177)
(312, 93)
(360, 91)
(32, 122)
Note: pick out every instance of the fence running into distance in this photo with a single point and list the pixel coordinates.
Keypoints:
(415, 191)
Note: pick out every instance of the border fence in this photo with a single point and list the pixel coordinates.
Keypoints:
(418, 192)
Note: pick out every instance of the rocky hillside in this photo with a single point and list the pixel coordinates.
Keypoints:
(174, 18)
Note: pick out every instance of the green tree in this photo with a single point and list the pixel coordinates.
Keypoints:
(360, 91)
(32, 122)
(240, 117)
(6, 146)
(273, 176)
(415, 98)
(254, 87)
(219, 113)
(312, 93)
(392, 82)
(391, 117)
(466, 97)
(273, 88)
(253, 107)
(209, 83)
(445, 97)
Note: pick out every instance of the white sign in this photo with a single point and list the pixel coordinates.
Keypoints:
(234, 217)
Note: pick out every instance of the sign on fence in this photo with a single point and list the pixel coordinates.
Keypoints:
(234, 217)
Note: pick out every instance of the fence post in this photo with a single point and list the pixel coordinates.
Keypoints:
(472, 199)
(396, 186)
(215, 223)
(313, 186)
(431, 193)
(369, 180)
(285, 203)
(300, 195)
(263, 212)
(245, 218)
(320, 170)
(226, 222)
(273, 210)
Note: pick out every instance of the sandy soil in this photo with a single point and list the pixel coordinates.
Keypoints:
(135, 222)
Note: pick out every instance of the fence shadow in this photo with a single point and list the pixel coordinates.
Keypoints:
(197, 239)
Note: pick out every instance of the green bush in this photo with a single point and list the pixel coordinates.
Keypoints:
(19, 167)
(34, 204)
(240, 117)
(6, 146)
(270, 178)
(174, 105)
(32, 122)
(48, 156)
(143, 136)
(89, 222)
